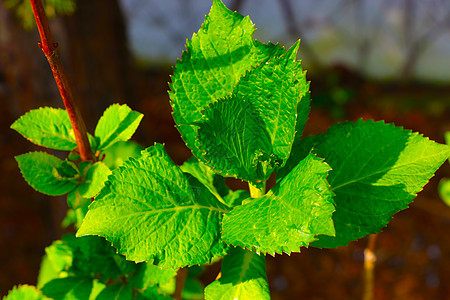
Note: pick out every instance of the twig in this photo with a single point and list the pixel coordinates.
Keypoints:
(369, 266)
(48, 46)
(180, 279)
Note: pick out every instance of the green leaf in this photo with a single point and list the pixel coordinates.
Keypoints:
(193, 289)
(149, 210)
(45, 173)
(151, 293)
(215, 59)
(94, 256)
(447, 137)
(27, 292)
(377, 171)
(94, 180)
(75, 200)
(234, 140)
(118, 123)
(289, 216)
(444, 190)
(275, 89)
(68, 288)
(236, 197)
(150, 275)
(212, 181)
(48, 127)
(60, 256)
(243, 277)
(116, 291)
(47, 272)
(120, 152)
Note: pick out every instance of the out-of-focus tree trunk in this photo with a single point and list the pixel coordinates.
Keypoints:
(100, 61)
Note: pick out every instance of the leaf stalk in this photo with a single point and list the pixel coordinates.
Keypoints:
(257, 191)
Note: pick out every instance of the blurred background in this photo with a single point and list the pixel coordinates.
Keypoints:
(375, 59)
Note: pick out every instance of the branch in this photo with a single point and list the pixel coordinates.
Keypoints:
(369, 266)
(48, 46)
(180, 279)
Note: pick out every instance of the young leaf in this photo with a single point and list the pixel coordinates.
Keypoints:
(46, 173)
(234, 140)
(118, 123)
(48, 127)
(377, 171)
(148, 210)
(290, 216)
(27, 292)
(213, 63)
(275, 89)
(68, 288)
(94, 180)
(243, 277)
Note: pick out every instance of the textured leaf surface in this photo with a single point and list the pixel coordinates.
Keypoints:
(47, 173)
(377, 170)
(234, 140)
(149, 210)
(118, 123)
(48, 127)
(68, 288)
(94, 180)
(275, 88)
(289, 216)
(212, 181)
(27, 292)
(214, 61)
(243, 277)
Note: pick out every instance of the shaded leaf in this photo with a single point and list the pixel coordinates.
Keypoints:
(68, 288)
(444, 190)
(275, 88)
(234, 141)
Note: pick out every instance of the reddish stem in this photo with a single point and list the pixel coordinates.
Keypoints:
(48, 46)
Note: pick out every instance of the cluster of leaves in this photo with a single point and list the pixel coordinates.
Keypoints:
(240, 106)
(89, 268)
(444, 184)
(23, 9)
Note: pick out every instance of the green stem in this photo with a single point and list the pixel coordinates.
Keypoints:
(257, 192)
